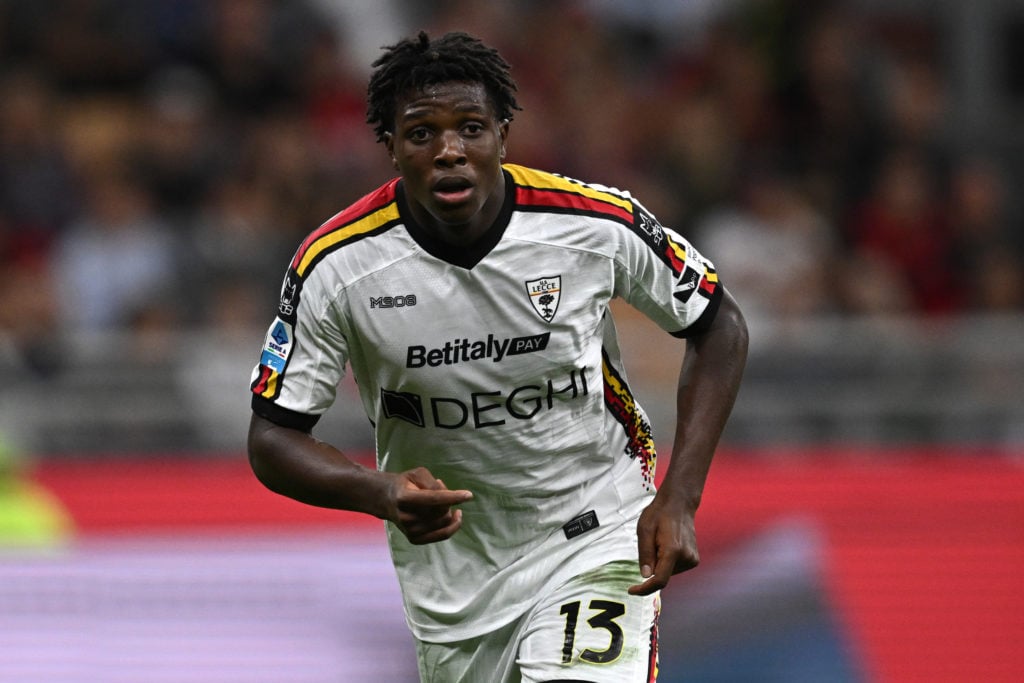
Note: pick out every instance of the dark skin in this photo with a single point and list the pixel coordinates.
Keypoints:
(448, 146)
(447, 143)
(708, 384)
(295, 464)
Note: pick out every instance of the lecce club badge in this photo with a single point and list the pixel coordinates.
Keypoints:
(545, 294)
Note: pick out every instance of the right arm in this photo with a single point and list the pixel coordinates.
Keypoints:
(293, 463)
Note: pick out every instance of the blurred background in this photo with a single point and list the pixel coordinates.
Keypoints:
(851, 167)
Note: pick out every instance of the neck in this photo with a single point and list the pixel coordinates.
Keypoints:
(463, 234)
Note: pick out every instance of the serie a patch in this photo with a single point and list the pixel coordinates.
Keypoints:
(278, 345)
(581, 524)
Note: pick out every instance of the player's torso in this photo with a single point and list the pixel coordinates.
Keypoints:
(507, 349)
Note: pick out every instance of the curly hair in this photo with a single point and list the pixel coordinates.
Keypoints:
(415, 63)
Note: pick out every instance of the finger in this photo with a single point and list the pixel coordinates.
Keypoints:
(649, 586)
(438, 534)
(423, 479)
(441, 498)
(647, 552)
(663, 571)
(657, 577)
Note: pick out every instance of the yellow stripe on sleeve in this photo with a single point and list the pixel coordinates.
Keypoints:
(360, 227)
(540, 180)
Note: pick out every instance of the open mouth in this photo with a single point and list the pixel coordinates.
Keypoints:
(452, 190)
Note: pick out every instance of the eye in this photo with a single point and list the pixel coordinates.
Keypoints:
(473, 128)
(419, 134)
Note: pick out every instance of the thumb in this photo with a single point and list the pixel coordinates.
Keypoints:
(421, 478)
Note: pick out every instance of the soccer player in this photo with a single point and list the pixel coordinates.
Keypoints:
(515, 469)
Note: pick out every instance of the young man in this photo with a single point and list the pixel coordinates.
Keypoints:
(515, 470)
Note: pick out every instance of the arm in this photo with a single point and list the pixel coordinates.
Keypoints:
(708, 384)
(295, 464)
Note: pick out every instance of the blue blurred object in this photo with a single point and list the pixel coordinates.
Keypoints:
(759, 613)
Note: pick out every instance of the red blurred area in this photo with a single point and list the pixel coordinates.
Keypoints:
(923, 551)
(172, 494)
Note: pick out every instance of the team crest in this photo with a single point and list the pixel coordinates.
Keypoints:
(545, 294)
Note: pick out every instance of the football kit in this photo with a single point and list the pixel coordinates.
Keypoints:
(495, 366)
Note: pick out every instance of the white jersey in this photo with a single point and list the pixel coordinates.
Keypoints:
(497, 368)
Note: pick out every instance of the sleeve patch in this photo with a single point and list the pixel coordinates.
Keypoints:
(278, 345)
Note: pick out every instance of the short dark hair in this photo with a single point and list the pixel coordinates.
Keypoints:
(415, 63)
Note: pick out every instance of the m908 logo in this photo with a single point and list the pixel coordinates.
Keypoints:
(399, 301)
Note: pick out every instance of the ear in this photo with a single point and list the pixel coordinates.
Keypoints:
(389, 143)
(503, 129)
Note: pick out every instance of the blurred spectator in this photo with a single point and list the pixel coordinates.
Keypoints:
(774, 249)
(37, 190)
(181, 149)
(233, 306)
(332, 89)
(28, 314)
(116, 266)
(914, 103)
(829, 91)
(572, 68)
(37, 198)
(988, 250)
(254, 51)
(87, 45)
(234, 239)
(900, 231)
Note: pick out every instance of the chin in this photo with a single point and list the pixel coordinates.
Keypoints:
(456, 217)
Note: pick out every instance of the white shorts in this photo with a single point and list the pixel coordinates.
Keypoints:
(589, 629)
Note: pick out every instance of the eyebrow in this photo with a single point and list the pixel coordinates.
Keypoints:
(425, 109)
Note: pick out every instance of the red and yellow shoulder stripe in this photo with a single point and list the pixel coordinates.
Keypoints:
(547, 191)
(375, 211)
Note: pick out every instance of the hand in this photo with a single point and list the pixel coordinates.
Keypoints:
(422, 506)
(667, 543)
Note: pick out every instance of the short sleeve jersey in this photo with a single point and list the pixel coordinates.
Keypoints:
(497, 368)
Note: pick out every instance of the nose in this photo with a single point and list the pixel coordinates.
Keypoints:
(450, 149)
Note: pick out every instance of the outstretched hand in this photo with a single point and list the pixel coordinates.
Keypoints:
(422, 506)
(667, 544)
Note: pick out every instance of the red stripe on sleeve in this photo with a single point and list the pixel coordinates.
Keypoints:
(528, 196)
(377, 199)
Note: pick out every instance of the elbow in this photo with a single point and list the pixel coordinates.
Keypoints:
(268, 472)
(731, 328)
(258, 464)
(259, 446)
(741, 332)
(261, 469)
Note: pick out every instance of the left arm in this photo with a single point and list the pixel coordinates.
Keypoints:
(708, 384)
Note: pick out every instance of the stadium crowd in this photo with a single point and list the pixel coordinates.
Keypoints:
(159, 161)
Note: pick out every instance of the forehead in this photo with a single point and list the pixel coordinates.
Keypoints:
(450, 96)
